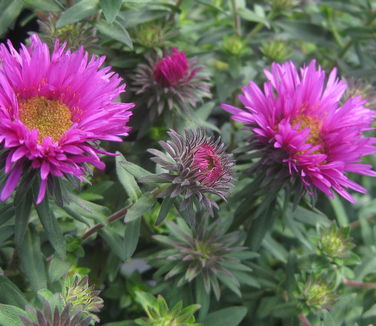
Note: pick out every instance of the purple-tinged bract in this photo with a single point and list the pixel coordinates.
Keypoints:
(54, 107)
(299, 124)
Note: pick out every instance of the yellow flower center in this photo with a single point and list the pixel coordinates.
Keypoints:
(50, 117)
(308, 122)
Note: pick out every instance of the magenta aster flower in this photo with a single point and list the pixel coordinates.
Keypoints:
(170, 82)
(300, 126)
(53, 108)
(197, 166)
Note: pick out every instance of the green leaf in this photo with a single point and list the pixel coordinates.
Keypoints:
(5, 233)
(165, 208)
(114, 241)
(137, 171)
(266, 306)
(246, 278)
(79, 11)
(231, 316)
(231, 282)
(202, 298)
(307, 32)
(139, 208)
(295, 228)
(52, 228)
(6, 213)
(371, 312)
(133, 18)
(122, 323)
(253, 16)
(32, 261)
(10, 294)
(9, 315)
(145, 299)
(10, 10)
(22, 214)
(57, 268)
(131, 236)
(45, 5)
(258, 229)
(340, 211)
(110, 9)
(115, 31)
(127, 180)
(276, 249)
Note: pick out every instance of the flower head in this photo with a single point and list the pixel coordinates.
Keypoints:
(54, 107)
(303, 132)
(76, 291)
(206, 252)
(172, 82)
(197, 166)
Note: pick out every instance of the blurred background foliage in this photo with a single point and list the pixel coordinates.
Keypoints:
(304, 270)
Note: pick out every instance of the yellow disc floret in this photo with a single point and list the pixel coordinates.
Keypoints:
(50, 117)
(314, 126)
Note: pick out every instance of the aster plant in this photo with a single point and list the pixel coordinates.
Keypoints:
(54, 108)
(206, 256)
(196, 167)
(172, 82)
(302, 133)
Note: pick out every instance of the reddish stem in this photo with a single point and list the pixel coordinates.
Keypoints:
(357, 223)
(360, 284)
(303, 319)
(114, 217)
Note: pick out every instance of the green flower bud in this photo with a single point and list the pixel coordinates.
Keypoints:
(316, 295)
(80, 295)
(283, 4)
(159, 313)
(152, 35)
(275, 50)
(234, 45)
(335, 242)
(78, 34)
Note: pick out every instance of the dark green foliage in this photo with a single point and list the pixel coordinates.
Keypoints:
(141, 232)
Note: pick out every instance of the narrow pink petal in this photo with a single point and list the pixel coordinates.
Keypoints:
(11, 182)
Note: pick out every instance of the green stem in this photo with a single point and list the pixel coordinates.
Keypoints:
(259, 26)
(178, 4)
(335, 31)
(237, 21)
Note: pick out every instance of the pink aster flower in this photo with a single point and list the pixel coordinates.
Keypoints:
(53, 108)
(299, 125)
(170, 82)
